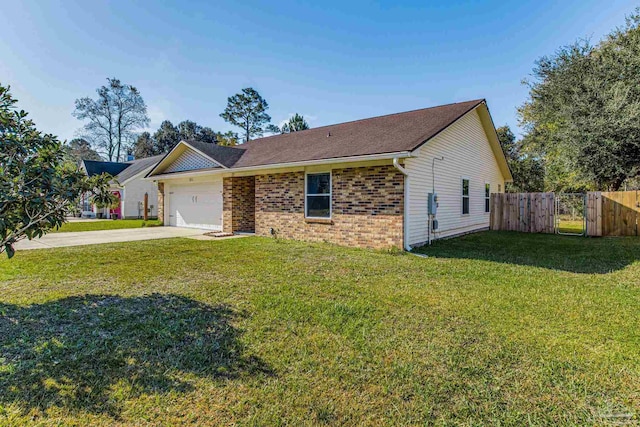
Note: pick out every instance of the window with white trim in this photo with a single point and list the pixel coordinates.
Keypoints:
(318, 195)
(465, 196)
(86, 202)
(487, 197)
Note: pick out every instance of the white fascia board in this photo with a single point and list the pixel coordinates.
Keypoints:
(162, 160)
(180, 144)
(492, 137)
(216, 171)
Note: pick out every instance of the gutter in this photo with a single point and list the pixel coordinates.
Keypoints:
(405, 219)
(398, 166)
(334, 160)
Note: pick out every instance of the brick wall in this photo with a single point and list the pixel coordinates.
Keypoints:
(367, 207)
(238, 211)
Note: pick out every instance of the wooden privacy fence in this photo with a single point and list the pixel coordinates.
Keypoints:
(525, 212)
(615, 213)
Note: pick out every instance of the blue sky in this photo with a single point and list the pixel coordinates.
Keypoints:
(330, 61)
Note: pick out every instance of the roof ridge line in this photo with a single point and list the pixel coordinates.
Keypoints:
(477, 101)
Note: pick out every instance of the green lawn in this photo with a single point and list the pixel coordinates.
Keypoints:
(571, 226)
(495, 328)
(107, 224)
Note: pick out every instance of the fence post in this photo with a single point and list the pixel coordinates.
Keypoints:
(146, 206)
(588, 215)
(553, 208)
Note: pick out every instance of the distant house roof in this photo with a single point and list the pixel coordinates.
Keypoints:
(94, 167)
(393, 133)
(137, 166)
(121, 171)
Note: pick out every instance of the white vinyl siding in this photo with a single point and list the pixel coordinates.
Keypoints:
(467, 154)
(134, 194)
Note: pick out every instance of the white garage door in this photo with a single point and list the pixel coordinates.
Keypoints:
(196, 205)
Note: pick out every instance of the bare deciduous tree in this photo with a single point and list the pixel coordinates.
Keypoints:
(113, 118)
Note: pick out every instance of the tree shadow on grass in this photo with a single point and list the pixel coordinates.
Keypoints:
(74, 352)
(565, 253)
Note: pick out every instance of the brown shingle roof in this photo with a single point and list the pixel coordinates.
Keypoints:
(226, 156)
(400, 132)
(377, 135)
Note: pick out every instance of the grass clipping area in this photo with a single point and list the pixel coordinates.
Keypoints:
(494, 328)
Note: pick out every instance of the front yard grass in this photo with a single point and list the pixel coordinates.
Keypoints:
(107, 224)
(495, 328)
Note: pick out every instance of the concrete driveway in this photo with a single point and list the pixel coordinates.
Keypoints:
(79, 238)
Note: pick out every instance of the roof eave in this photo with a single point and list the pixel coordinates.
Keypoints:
(490, 130)
(492, 135)
(333, 160)
(447, 126)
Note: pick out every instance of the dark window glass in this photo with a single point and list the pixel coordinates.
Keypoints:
(319, 183)
(318, 206)
(465, 196)
(465, 205)
(487, 195)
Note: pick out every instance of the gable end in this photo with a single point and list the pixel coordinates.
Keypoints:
(190, 160)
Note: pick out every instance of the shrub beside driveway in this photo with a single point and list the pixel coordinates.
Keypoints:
(493, 328)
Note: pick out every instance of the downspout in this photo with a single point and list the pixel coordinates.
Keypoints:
(405, 219)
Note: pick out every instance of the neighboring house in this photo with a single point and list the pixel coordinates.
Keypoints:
(361, 183)
(129, 185)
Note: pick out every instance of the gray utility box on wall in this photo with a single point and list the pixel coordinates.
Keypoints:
(432, 206)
